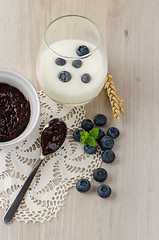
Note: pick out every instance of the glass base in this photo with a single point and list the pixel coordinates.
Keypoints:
(70, 104)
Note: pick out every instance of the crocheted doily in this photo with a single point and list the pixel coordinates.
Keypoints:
(57, 173)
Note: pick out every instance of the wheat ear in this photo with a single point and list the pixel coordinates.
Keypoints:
(115, 100)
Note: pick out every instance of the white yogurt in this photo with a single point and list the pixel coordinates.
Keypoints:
(74, 91)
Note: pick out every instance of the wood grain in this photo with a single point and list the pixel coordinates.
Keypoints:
(131, 32)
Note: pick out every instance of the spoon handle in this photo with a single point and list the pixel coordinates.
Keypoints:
(11, 211)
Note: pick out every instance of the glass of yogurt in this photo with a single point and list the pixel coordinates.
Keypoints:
(72, 62)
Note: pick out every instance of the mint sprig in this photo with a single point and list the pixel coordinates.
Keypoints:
(84, 136)
(94, 133)
(89, 137)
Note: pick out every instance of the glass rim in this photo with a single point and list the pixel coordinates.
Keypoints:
(78, 16)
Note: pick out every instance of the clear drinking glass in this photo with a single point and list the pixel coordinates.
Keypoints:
(74, 80)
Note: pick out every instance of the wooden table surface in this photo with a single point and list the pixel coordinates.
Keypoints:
(131, 33)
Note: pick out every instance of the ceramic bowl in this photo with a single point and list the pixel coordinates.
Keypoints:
(17, 80)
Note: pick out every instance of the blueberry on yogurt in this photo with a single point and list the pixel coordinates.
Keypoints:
(60, 61)
(82, 50)
(77, 63)
(64, 76)
(86, 78)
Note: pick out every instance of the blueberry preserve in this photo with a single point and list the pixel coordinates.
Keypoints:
(14, 112)
(53, 136)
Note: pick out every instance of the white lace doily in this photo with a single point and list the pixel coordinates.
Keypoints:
(58, 172)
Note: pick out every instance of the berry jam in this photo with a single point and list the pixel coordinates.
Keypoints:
(14, 112)
(53, 136)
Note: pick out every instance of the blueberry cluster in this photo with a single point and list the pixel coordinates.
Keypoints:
(65, 76)
(99, 175)
(106, 143)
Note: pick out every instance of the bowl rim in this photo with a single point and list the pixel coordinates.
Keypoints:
(27, 132)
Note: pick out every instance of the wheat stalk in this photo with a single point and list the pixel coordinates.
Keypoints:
(115, 100)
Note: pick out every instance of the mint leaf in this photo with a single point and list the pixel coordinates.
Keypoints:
(91, 141)
(83, 139)
(94, 133)
(90, 137)
(84, 133)
(84, 136)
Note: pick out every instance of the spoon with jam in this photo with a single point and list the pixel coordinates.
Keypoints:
(52, 137)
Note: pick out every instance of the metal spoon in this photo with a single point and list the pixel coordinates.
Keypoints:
(51, 140)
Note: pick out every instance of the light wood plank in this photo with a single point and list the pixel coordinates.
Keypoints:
(130, 29)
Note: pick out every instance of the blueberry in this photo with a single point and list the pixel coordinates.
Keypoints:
(106, 143)
(87, 124)
(83, 185)
(82, 50)
(100, 174)
(113, 132)
(89, 149)
(60, 61)
(77, 63)
(64, 76)
(104, 191)
(100, 120)
(100, 134)
(108, 156)
(86, 78)
(76, 134)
